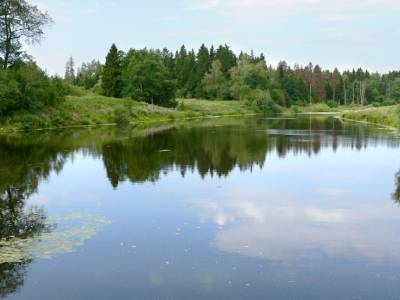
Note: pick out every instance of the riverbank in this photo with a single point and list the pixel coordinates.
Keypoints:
(94, 110)
(388, 116)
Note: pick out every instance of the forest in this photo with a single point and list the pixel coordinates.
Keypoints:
(161, 76)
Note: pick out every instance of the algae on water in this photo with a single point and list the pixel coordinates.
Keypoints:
(50, 244)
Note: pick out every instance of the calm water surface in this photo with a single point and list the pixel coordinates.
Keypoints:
(303, 208)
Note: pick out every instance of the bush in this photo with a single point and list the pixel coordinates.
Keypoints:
(332, 104)
(122, 116)
(295, 109)
(181, 106)
(26, 87)
(279, 97)
(263, 101)
(389, 102)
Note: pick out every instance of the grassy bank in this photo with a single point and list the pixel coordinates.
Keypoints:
(92, 110)
(383, 116)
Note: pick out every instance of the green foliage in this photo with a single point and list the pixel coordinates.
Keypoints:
(227, 58)
(181, 106)
(247, 77)
(122, 116)
(387, 116)
(214, 83)
(111, 77)
(26, 87)
(19, 22)
(89, 74)
(263, 101)
(146, 79)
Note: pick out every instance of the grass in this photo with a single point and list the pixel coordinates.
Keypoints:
(384, 116)
(214, 107)
(92, 110)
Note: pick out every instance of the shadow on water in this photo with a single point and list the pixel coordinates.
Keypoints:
(19, 179)
(396, 194)
(213, 147)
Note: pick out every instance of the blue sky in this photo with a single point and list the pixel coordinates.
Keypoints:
(342, 33)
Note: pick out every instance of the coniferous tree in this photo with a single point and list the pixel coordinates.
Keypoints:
(212, 54)
(190, 73)
(227, 58)
(181, 59)
(319, 84)
(111, 78)
(203, 64)
(70, 71)
(334, 82)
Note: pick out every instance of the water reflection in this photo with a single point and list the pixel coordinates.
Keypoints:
(19, 179)
(396, 194)
(272, 225)
(277, 227)
(214, 147)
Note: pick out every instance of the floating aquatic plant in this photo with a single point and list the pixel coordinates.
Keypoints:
(77, 229)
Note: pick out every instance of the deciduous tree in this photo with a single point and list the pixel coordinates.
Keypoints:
(19, 22)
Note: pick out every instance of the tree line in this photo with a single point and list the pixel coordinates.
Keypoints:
(159, 76)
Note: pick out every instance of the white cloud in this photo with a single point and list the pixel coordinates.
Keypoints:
(280, 227)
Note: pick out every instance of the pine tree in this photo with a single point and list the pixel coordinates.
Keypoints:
(180, 67)
(190, 74)
(111, 77)
(212, 54)
(203, 64)
(227, 58)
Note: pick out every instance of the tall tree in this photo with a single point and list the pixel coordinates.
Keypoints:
(19, 22)
(215, 84)
(334, 82)
(319, 84)
(309, 78)
(89, 74)
(111, 79)
(147, 79)
(203, 64)
(227, 58)
(70, 71)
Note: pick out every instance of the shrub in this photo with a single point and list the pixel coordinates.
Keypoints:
(181, 106)
(26, 87)
(332, 104)
(263, 101)
(122, 116)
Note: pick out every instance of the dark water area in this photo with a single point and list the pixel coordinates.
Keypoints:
(241, 208)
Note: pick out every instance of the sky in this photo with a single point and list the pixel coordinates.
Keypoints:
(333, 33)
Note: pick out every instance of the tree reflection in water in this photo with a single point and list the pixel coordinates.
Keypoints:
(20, 174)
(396, 194)
(213, 147)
